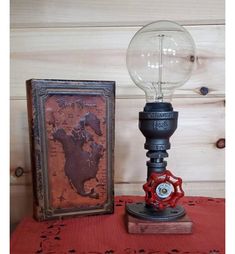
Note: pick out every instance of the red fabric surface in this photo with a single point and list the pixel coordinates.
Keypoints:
(106, 234)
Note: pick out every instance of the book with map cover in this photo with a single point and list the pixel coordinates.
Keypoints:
(72, 142)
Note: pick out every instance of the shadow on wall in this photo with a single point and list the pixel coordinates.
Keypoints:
(21, 199)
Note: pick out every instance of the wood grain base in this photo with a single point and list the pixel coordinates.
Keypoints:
(138, 226)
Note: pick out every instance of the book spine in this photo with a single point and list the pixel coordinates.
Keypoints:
(35, 150)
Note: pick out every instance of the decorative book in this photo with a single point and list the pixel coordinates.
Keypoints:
(72, 141)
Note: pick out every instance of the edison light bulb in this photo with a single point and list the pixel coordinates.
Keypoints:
(160, 58)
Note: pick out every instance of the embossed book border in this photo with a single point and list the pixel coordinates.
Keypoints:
(38, 91)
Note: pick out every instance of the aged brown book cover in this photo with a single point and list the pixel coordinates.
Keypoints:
(72, 140)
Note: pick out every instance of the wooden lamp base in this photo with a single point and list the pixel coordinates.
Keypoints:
(182, 225)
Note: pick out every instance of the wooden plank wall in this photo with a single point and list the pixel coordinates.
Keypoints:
(75, 39)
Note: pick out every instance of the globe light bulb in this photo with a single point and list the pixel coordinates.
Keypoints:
(160, 58)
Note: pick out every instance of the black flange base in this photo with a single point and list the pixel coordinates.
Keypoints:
(139, 210)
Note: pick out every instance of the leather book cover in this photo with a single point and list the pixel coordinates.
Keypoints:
(72, 141)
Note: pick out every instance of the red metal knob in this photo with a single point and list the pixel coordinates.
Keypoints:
(163, 190)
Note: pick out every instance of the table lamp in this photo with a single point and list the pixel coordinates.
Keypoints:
(160, 58)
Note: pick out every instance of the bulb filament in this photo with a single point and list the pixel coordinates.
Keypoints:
(158, 89)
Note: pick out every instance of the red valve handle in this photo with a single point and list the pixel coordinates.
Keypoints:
(163, 190)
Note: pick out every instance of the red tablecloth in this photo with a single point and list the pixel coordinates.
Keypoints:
(106, 234)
